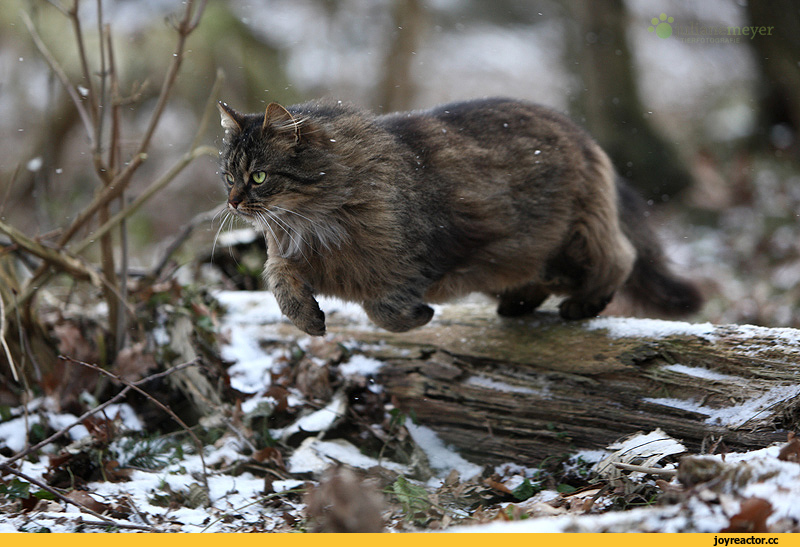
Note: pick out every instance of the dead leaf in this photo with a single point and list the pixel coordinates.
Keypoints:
(497, 485)
(85, 500)
(133, 363)
(790, 452)
(270, 454)
(313, 379)
(751, 518)
(101, 429)
(344, 503)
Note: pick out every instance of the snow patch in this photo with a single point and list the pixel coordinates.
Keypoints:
(483, 381)
(319, 420)
(315, 456)
(621, 327)
(360, 365)
(700, 372)
(737, 415)
(440, 457)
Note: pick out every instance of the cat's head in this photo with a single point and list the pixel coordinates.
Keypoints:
(275, 161)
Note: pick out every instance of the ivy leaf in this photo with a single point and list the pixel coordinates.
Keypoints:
(16, 489)
(565, 488)
(525, 490)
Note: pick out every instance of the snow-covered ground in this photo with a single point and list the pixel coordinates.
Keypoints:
(239, 500)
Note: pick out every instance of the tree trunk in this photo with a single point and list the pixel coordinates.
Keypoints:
(525, 390)
(611, 104)
(777, 55)
(396, 89)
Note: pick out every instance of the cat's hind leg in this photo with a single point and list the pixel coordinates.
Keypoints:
(521, 300)
(598, 261)
(603, 255)
(399, 311)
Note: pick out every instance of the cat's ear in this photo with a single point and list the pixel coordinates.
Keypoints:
(230, 119)
(282, 121)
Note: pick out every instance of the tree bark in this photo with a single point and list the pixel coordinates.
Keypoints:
(396, 89)
(614, 112)
(525, 390)
(777, 55)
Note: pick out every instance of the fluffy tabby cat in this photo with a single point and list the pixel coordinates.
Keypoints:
(498, 196)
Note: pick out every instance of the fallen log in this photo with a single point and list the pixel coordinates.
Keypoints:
(527, 389)
(524, 390)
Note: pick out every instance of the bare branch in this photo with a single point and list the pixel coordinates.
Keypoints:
(119, 396)
(91, 95)
(63, 78)
(151, 190)
(182, 236)
(53, 257)
(155, 401)
(65, 499)
(210, 109)
(3, 342)
(660, 471)
(121, 181)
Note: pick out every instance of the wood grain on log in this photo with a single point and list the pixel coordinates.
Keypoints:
(528, 389)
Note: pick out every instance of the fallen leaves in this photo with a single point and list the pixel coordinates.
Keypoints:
(751, 518)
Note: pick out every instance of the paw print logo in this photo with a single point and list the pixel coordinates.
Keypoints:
(661, 26)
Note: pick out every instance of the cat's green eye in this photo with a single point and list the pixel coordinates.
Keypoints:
(259, 177)
(229, 178)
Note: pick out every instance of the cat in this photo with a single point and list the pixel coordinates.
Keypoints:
(397, 211)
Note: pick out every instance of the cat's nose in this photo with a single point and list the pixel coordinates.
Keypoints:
(234, 200)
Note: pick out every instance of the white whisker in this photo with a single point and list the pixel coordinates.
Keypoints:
(295, 246)
(225, 219)
(328, 234)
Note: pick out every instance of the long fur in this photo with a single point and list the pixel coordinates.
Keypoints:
(497, 196)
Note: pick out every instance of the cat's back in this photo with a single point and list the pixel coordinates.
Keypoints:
(494, 121)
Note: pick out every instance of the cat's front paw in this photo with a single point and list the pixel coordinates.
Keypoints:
(313, 325)
(305, 314)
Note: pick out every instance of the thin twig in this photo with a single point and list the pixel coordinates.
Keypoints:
(103, 76)
(209, 110)
(119, 396)
(8, 189)
(149, 192)
(119, 525)
(122, 179)
(155, 401)
(6, 349)
(60, 260)
(91, 94)
(182, 236)
(660, 471)
(62, 77)
(77, 504)
(114, 155)
(52, 257)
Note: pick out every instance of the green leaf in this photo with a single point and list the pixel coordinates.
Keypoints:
(44, 495)
(525, 490)
(565, 488)
(16, 489)
(413, 498)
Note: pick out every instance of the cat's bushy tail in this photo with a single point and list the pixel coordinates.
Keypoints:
(651, 284)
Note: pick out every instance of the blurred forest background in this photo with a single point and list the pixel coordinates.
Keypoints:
(706, 129)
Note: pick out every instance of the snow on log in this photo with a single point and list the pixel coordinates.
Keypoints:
(523, 390)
